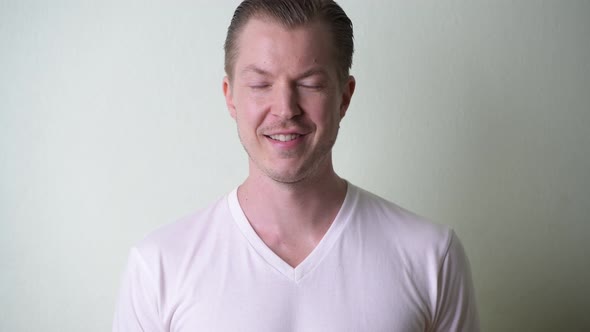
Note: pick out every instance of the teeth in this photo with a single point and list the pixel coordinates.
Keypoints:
(284, 138)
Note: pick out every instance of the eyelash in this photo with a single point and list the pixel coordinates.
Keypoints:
(260, 86)
(306, 86)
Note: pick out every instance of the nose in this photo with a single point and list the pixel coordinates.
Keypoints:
(286, 104)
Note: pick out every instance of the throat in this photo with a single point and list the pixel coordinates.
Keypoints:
(292, 249)
(291, 221)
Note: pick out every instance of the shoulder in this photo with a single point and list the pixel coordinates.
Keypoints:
(403, 229)
(171, 243)
(427, 258)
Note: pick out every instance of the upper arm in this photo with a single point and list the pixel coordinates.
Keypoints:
(455, 306)
(138, 303)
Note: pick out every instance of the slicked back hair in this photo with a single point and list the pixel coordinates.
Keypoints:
(292, 14)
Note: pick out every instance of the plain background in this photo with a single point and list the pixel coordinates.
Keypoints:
(474, 114)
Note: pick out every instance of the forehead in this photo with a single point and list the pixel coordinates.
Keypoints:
(271, 46)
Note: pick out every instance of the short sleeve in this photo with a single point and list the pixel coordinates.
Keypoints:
(456, 307)
(137, 306)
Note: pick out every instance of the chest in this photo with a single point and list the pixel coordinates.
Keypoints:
(332, 298)
(285, 313)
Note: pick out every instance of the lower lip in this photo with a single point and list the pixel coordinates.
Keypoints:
(286, 145)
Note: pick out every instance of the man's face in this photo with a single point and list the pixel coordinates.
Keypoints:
(286, 99)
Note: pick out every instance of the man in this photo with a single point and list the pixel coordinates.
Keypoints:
(295, 247)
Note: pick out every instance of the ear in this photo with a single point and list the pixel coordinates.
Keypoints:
(347, 92)
(229, 99)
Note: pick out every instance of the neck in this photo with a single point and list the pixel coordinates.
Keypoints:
(292, 218)
(311, 204)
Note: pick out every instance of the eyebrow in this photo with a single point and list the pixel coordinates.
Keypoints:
(307, 73)
(254, 69)
(312, 72)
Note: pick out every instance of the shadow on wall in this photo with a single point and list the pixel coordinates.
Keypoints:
(513, 187)
(499, 155)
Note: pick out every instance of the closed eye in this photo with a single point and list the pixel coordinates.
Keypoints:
(260, 86)
(311, 86)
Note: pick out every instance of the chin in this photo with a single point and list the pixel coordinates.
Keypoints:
(293, 176)
(287, 178)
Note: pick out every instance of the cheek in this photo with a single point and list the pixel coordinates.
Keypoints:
(248, 121)
(250, 109)
(323, 111)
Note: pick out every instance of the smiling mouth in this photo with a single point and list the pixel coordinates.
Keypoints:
(284, 138)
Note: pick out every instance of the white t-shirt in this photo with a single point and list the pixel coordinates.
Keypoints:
(378, 268)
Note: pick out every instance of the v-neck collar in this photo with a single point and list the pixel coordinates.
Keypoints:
(317, 254)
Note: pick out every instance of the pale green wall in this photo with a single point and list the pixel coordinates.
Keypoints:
(472, 113)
